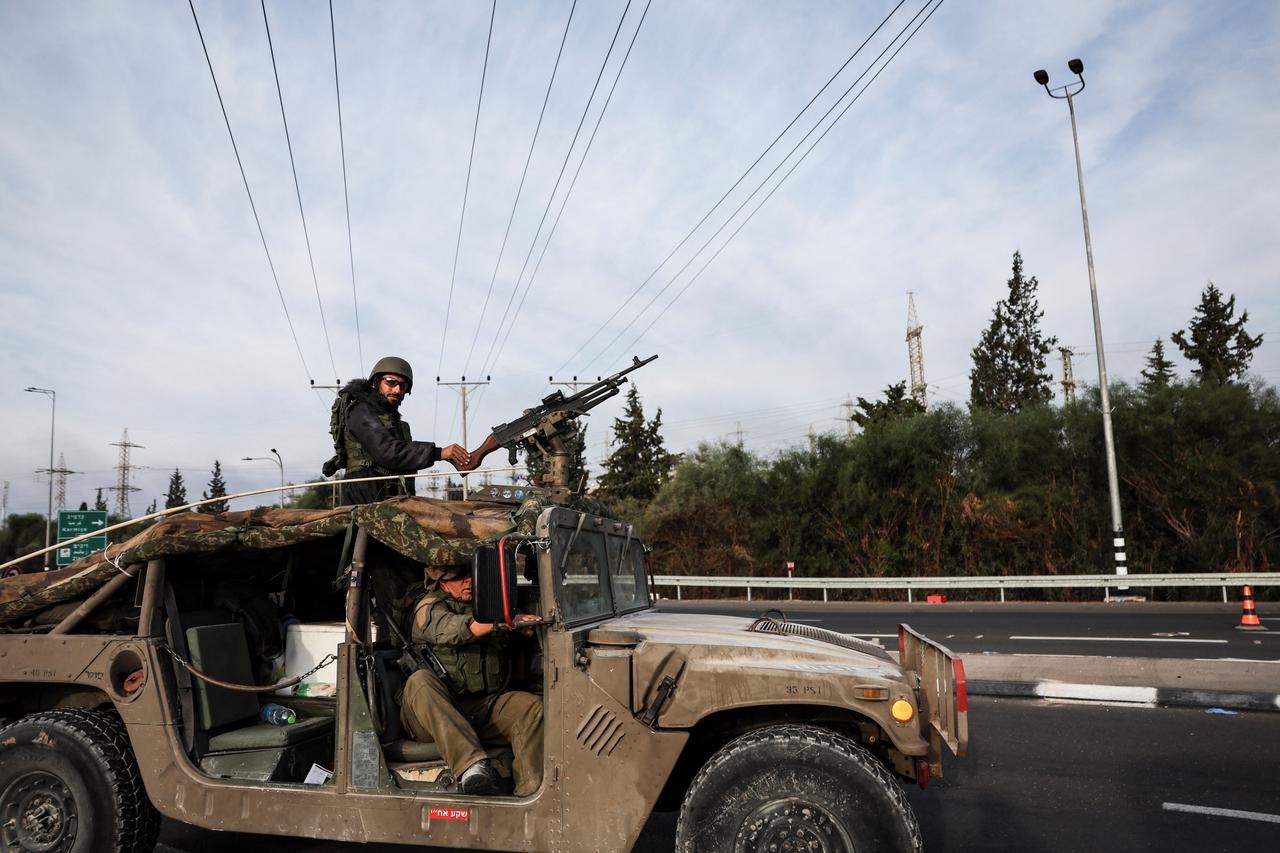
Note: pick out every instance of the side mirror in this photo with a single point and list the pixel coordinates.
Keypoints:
(493, 582)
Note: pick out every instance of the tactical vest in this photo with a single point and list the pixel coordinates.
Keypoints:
(349, 454)
(478, 667)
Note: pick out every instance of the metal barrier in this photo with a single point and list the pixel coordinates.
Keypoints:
(1104, 582)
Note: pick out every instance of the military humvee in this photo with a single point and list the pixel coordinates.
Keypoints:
(764, 734)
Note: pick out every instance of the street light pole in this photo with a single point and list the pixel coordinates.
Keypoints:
(276, 460)
(48, 519)
(1068, 93)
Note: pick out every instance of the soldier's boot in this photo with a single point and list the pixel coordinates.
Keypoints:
(481, 779)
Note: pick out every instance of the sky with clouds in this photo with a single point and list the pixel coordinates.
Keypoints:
(134, 283)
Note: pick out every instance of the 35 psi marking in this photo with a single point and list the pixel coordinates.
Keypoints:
(804, 690)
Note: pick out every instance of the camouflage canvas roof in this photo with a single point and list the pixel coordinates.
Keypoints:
(427, 530)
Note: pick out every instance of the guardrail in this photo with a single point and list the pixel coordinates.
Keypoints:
(1107, 583)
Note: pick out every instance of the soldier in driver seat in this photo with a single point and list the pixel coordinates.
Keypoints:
(472, 704)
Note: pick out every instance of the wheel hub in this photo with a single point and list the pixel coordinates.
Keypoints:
(792, 826)
(37, 814)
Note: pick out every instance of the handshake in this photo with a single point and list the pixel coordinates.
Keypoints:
(468, 460)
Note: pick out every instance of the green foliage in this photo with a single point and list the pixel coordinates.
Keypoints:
(950, 492)
(639, 464)
(177, 493)
(316, 497)
(1159, 370)
(23, 533)
(896, 404)
(1009, 361)
(100, 503)
(1218, 343)
(217, 489)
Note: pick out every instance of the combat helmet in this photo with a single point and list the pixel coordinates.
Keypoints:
(392, 364)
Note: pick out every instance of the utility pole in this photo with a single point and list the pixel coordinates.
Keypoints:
(847, 405)
(1068, 378)
(915, 353)
(123, 469)
(1067, 93)
(4, 505)
(462, 388)
(48, 519)
(738, 432)
(61, 472)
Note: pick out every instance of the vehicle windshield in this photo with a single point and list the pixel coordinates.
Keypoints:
(598, 572)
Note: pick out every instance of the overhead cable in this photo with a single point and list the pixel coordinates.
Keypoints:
(735, 185)
(298, 190)
(573, 183)
(462, 218)
(258, 221)
(784, 178)
(346, 197)
(520, 189)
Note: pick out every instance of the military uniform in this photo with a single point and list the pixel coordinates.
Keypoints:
(375, 441)
(479, 669)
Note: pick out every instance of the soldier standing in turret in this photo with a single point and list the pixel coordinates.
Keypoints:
(471, 701)
(370, 439)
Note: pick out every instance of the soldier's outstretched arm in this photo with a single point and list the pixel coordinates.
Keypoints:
(388, 450)
(478, 455)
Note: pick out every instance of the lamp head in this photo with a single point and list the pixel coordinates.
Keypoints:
(1042, 77)
(1076, 66)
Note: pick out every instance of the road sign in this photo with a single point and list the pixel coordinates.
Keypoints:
(75, 523)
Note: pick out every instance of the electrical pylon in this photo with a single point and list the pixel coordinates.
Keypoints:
(60, 486)
(122, 487)
(915, 353)
(1068, 378)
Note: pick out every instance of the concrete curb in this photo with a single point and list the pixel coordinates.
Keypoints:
(1243, 685)
(1172, 697)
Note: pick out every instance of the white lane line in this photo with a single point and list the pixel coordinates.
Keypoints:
(871, 635)
(1119, 639)
(1209, 810)
(1236, 660)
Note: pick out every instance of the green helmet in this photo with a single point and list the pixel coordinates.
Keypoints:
(392, 364)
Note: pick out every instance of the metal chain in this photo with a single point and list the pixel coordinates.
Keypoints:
(249, 688)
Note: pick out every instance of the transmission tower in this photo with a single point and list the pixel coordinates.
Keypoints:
(122, 487)
(1068, 379)
(61, 472)
(915, 353)
(4, 504)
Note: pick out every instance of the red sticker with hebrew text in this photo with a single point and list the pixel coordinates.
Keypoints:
(443, 813)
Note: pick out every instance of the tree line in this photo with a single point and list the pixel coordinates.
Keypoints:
(1009, 484)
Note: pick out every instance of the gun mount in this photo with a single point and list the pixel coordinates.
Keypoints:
(543, 428)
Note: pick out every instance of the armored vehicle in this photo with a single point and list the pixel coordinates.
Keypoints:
(764, 734)
(133, 684)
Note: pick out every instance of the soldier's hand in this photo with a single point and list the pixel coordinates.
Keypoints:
(526, 617)
(458, 456)
(478, 455)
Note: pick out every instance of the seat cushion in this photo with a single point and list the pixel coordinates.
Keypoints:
(411, 751)
(221, 651)
(266, 735)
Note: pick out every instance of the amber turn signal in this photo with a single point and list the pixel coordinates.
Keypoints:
(902, 711)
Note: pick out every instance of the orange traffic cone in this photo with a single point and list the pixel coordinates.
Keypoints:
(1249, 618)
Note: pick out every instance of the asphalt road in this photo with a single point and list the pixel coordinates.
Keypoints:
(1040, 776)
(1131, 629)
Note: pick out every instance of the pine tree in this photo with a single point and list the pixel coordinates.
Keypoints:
(896, 404)
(1159, 371)
(1219, 345)
(639, 464)
(217, 489)
(100, 503)
(151, 508)
(177, 494)
(1009, 361)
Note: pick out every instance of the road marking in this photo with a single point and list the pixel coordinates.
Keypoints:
(871, 635)
(1210, 810)
(1119, 639)
(1236, 660)
(1096, 692)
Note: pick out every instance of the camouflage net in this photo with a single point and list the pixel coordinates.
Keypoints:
(426, 530)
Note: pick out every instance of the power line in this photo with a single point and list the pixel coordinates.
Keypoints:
(462, 218)
(573, 183)
(298, 189)
(736, 183)
(346, 198)
(780, 182)
(559, 177)
(248, 192)
(520, 189)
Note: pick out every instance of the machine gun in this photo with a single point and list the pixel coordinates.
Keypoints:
(543, 427)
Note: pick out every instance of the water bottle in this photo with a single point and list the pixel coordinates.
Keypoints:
(278, 715)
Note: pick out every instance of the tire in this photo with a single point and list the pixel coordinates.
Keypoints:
(69, 783)
(795, 787)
